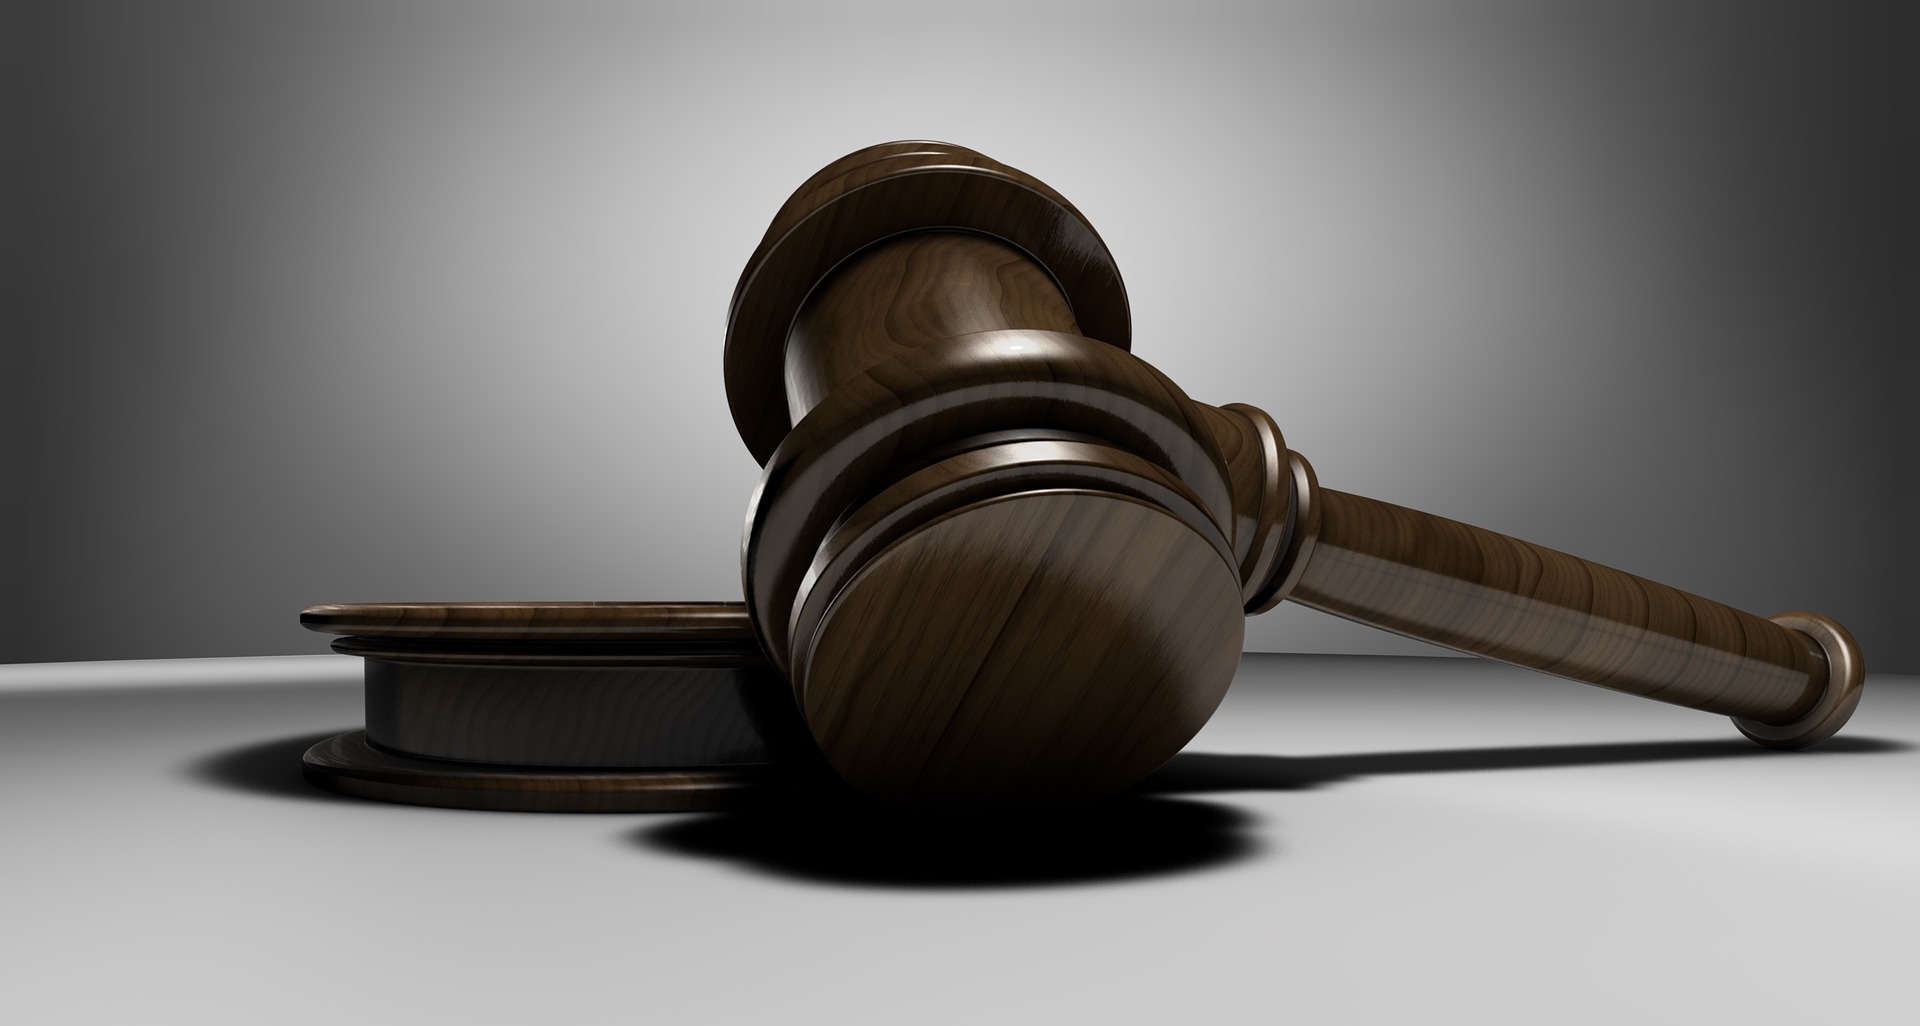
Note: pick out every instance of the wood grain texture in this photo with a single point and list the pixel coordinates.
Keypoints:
(927, 353)
(1040, 648)
(1477, 591)
(933, 401)
(912, 291)
(1846, 677)
(1256, 461)
(971, 477)
(879, 193)
(1300, 535)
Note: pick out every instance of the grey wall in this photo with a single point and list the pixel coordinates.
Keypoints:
(12, 340)
(1906, 545)
(381, 301)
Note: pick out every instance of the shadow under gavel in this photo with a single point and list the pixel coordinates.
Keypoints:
(1001, 560)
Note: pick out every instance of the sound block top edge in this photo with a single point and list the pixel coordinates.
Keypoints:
(535, 621)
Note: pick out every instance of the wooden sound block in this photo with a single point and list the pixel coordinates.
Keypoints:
(561, 707)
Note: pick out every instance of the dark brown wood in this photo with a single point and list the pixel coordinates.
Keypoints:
(1042, 647)
(911, 291)
(876, 194)
(556, 706)
(536, 621)
(1475, 591)
(617, 705)
(965, 500)
(1256, 461)
(940, 401)
(1008, 468)
(348, 764)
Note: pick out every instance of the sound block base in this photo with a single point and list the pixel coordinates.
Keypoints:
(347, 764)
(563, 707)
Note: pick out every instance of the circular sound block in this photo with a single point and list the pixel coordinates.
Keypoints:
(562, 707)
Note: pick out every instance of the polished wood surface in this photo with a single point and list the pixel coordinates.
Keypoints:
(1846, 676)
(878, 193)
(935, 402)
(911, 291)
(561, 706)
(531, 621)
(1256, 463)
(348, 764)
(1011, 468)
(1475, 591)
(1042, 647)
(924, 375)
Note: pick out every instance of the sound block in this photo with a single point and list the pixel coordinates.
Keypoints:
(562, 707)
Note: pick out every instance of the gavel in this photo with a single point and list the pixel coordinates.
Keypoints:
(1001, 560)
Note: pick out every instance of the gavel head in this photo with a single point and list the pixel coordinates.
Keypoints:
(994, 554)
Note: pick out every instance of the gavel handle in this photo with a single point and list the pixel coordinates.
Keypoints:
(1789, 682)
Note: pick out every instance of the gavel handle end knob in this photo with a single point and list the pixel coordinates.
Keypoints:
(1846, 672)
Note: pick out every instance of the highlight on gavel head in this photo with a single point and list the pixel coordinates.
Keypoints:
(993, 554)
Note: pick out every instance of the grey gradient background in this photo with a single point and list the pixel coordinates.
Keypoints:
(424, 300)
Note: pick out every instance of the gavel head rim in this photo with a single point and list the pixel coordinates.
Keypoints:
(880, 192)
(812, 481)
(973, 475)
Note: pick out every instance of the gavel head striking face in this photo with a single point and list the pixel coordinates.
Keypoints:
(1003, 561)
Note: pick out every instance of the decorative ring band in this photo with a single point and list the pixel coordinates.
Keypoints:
(1845, 675)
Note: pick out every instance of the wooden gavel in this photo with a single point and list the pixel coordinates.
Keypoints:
(1001, 560)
